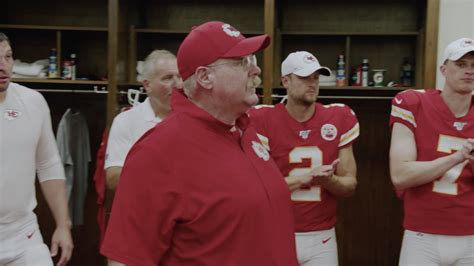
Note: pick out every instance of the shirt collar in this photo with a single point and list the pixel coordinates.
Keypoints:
(149, 114)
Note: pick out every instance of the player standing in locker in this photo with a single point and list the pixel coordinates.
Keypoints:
(312, 145)
(27, 149)
(431, 161)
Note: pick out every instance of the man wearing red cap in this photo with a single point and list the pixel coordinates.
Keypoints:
(431, 161)
(312, 145)
(200, 188)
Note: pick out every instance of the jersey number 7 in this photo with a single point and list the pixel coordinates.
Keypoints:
(447, 183)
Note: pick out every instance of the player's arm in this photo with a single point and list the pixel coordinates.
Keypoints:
(405, 171)
(295, 182)
(308, 179)
(119, 143)
(54, 192)
(52, 182)
(343, 182)
(112, 176)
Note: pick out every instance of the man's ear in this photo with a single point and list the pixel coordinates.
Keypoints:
(204, 77)
(285, 80)
(146, 85)
(442, 69)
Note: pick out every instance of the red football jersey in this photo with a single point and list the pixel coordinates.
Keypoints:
(446, 205)
(299, 147)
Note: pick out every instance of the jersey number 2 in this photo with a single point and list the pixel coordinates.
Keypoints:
(447, 183)
(315, 155)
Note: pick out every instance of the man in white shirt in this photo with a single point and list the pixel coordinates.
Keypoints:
(160, 74)
(27, 148)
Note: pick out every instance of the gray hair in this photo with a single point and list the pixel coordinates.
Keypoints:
(4, 38)
(189, 86)
(149, 66)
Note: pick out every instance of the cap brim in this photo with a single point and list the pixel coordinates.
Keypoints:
(248, 46)
(456, 56)
(310, 70)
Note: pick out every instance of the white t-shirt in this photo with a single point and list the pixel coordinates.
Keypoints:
(27, 147)
(126, 129)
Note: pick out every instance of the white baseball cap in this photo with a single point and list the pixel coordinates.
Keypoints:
(458, 49)
(302, 64)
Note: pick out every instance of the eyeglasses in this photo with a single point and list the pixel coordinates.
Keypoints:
(246, 61)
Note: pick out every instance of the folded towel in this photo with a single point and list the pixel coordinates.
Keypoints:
(329, 83)
(33, 69)
(331, 78)
(42, 75)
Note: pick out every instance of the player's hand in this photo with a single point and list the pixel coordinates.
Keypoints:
(324, 170)
(468, 151)
(62, 239)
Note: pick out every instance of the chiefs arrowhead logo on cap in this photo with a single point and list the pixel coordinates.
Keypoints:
(467, 42)
(309, 58)
(231, 31)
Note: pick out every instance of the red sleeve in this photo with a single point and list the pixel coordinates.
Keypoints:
(258, 116)
(404, 109)
(350, 127)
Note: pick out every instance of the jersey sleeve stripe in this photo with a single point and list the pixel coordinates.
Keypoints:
(264, 141)
(352, 134)
(403, 114)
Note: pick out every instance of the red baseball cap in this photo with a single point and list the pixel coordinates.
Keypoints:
(213, 40)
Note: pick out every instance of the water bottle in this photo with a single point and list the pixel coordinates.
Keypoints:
(340, 72)
(406, 73)
(365, 72)
(52, 68)
(73, 66)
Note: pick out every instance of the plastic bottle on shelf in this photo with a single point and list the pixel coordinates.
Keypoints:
(365, 72)
(73, 66)
(340, 71)
(406, 73)
(356, 76)
(52, 68)
(66, 69)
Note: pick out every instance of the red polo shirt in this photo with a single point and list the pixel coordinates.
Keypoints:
(191, 193)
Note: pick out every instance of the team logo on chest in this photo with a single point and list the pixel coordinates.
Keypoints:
(304, 134)
(459, 125)
(11, 114)
(328, 132)
(260, 151)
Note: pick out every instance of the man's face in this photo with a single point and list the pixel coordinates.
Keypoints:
(235, 83)
(6, 65)
(165, 77)
(460, 74)
(302, 90)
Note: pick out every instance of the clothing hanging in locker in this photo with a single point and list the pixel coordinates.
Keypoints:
(74, 149)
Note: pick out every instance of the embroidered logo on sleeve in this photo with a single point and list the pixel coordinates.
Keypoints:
(328, 132)
(260, 151)
(11, 114)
